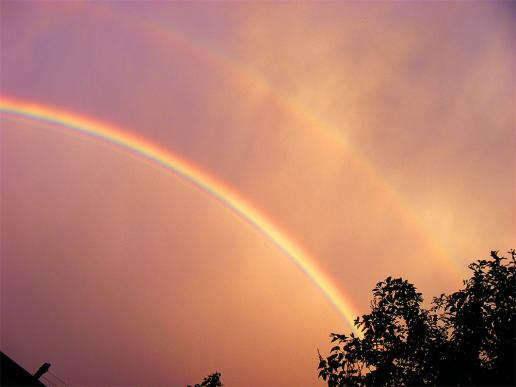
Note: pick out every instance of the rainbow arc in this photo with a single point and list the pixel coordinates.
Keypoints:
(190, 173)
(187, 44)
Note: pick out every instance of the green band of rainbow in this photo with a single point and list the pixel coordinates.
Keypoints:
(173, 163)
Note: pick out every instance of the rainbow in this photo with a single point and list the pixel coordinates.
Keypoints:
(171, 162)
(334, 136)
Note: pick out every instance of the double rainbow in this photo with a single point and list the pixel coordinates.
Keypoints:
(172, 163)
(167, 35)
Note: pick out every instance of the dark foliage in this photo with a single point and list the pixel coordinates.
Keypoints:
(466, 338)
(212, 380)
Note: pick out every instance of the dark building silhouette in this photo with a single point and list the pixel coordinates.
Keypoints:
(12, 374)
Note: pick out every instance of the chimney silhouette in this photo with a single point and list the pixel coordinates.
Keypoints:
(44, 368)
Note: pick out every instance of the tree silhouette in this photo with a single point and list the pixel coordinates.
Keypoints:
(466, 338)
(212, 380)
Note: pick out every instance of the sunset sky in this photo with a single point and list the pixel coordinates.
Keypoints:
(333, 144)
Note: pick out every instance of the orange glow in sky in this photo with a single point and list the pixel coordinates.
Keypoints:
(358, 140)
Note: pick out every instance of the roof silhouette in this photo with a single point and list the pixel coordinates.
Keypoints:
(12, 374)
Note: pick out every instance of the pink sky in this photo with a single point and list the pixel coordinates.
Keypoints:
(379, 136)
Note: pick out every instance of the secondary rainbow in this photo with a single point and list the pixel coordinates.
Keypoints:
(336, 137)
(171, 162)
